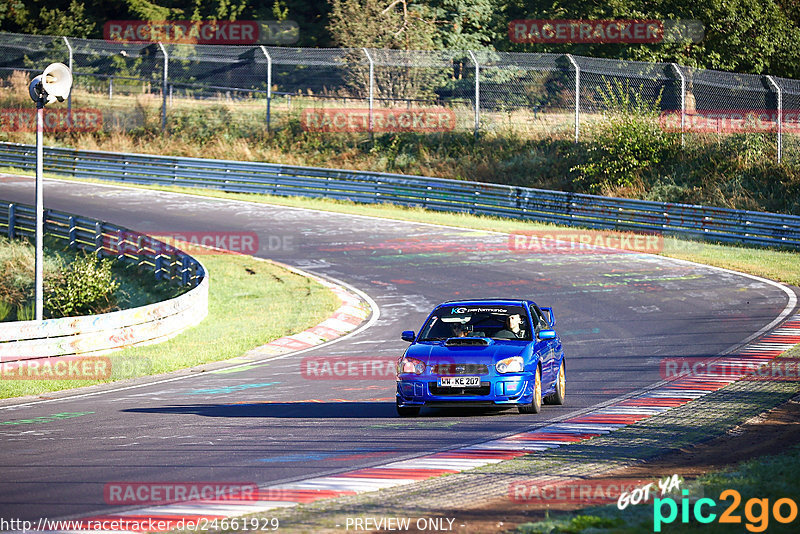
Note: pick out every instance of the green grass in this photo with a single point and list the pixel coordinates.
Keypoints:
(251, 302)
(779, 265)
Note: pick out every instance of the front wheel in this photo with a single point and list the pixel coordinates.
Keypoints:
(536, 402)
(407, 411)
(557, 397)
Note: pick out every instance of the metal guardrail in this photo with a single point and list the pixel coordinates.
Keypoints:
(569, 209)
(105, 240)
(99, 334)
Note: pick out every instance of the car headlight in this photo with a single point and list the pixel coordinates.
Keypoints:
(410, 365)
(515, 364)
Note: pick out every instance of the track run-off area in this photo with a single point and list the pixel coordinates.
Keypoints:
(272, 422)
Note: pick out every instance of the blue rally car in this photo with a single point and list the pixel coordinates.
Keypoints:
(488, 353)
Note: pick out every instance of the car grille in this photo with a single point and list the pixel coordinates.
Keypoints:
(454, 369)
(485, 389)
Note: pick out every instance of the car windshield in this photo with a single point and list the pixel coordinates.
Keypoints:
(486, 320)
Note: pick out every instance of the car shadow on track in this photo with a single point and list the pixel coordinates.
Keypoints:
(307, 410)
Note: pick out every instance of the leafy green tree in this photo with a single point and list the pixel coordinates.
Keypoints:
(71, 22)
(12, 11)
(396, 24)
(467, 24)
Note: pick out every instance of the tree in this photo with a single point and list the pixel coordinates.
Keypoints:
(381, 24)
(71, 22)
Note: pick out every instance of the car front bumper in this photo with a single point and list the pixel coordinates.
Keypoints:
(509, 390)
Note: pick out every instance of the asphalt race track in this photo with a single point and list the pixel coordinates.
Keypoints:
(619, 316)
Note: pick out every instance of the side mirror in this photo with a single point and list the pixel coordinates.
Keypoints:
(408, 335)
(551, 318)
(547, 334)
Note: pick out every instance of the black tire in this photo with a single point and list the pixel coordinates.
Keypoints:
(408, 411)
(536, 402)
(557, 397)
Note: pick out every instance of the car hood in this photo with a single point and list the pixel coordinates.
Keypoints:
(437, 353)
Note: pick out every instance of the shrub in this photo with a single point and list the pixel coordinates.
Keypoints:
(86, 286)
(621, 148)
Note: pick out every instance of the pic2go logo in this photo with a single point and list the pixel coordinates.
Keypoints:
(756, 511)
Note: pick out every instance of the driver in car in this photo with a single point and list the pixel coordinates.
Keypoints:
(513, 329)
(460, 330)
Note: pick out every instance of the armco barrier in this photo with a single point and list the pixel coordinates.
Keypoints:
(570, 209)
(98, 334)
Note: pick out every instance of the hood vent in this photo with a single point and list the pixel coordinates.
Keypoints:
(466, 342)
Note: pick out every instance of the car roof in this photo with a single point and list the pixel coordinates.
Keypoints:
(479, 302)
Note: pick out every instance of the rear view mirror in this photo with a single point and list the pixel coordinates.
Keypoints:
(408, 335)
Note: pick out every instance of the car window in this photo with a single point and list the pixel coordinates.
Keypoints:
(485, 320)
(538, 318)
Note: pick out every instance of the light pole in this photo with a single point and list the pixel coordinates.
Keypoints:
(53, 84)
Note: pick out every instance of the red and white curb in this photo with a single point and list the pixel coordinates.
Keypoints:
(601, 421)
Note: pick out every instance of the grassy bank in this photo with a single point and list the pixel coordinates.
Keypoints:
(620, 154)
(251, 302)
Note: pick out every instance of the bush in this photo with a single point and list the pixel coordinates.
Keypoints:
(16, 275)
(621, 148)
(87, 286)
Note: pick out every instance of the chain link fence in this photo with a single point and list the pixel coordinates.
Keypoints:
(155, 85)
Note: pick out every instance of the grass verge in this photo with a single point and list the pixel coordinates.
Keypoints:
(251, 302)
(779, 265)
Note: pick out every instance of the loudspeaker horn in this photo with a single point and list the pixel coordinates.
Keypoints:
(57, 81)
(54, 84)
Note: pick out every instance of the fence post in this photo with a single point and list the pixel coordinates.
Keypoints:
(683, 99)
(71, 232)
(158, 266)
(778, 90)
(269, 82)
(185, 270)
(371, 88)
(69, 97)
(164, 88)
(12, 220)
(577, 94)
(98, 239)
(477, 92)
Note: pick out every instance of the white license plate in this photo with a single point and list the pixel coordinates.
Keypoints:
(459, 381)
